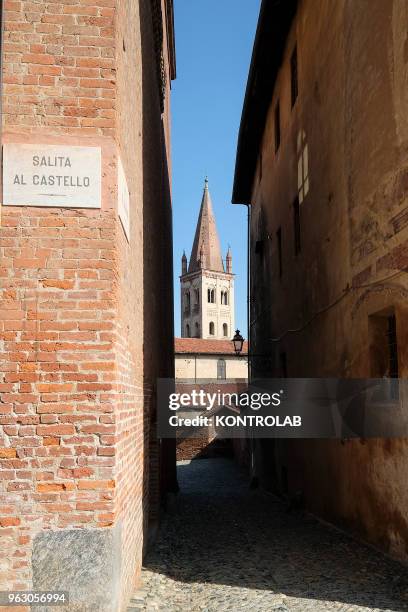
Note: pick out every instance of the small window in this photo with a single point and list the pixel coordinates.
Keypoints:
(225, 329)
(303, 166)
(187, 295)
(384, 349)
(221, 369)
(212, 329)
(197, 330)
(392, 346)
(279, 242)
(224, 298)
(188, 334)
(259, 248)
(294, 76)
(197, 296)
(211, 296)
(296, 225)
(277, 127)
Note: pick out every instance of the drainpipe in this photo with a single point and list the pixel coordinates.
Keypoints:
(253, 476)
(249, 288)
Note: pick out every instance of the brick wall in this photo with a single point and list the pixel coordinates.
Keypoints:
(82, 337)
(59, 66)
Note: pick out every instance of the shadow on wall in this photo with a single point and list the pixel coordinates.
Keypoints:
(159, 476)
(224, 533)
(202, 448)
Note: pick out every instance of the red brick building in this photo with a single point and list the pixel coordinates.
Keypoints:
(86, 150)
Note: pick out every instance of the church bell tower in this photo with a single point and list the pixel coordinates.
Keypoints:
(207, 286)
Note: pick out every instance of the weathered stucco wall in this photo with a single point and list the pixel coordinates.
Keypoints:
(205, 366)
(351, 114)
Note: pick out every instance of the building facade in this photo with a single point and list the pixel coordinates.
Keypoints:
(86, 175)
(214, 366)
(206, 285)
(199, 359)
(322, 162)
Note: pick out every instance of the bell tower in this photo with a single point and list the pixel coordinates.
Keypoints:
(207, 286)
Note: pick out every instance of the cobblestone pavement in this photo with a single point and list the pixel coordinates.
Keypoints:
(225, 547)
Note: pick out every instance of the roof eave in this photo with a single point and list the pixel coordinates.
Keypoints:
(274, 22)
(171, 38)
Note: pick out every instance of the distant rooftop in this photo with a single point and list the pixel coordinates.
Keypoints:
(201, 346)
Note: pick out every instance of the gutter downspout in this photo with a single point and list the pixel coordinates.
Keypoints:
(253, 477)
(249, 288)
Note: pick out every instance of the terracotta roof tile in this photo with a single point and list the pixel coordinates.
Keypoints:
(206, 347)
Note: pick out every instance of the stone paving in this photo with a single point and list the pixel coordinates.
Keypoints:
(226, 547)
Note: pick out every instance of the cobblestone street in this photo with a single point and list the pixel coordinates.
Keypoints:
(225, 547)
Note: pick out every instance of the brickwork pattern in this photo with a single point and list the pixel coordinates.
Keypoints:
(58, 387)
(59, 66)
(75, 402)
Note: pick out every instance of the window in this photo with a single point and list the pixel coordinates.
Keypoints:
(392, 346)
(296, 225)
(277, 127)
(197, 330)
(225, 329)
(196, 306)
(211, 296)
(187, 302)
(259, 248)
(224, 298)
(279, 241)
(188, 331)
(303, 166)
(384, 349)
(211, 329)
(294, 76)
(221, 369)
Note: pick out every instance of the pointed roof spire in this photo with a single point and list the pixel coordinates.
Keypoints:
(206, 244)
(228, 261)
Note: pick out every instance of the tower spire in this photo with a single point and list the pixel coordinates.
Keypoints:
(206, 245)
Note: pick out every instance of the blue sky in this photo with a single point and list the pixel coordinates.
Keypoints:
(213, 50)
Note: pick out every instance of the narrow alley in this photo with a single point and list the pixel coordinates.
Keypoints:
(225, 547)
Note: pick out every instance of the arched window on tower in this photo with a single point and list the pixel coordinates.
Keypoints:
(211, 296)
(221, 369)
(211, 328)
(225, 329)
(187, 301)
(197, 330)
(188, 331)
(196, 305)
(224, 298)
